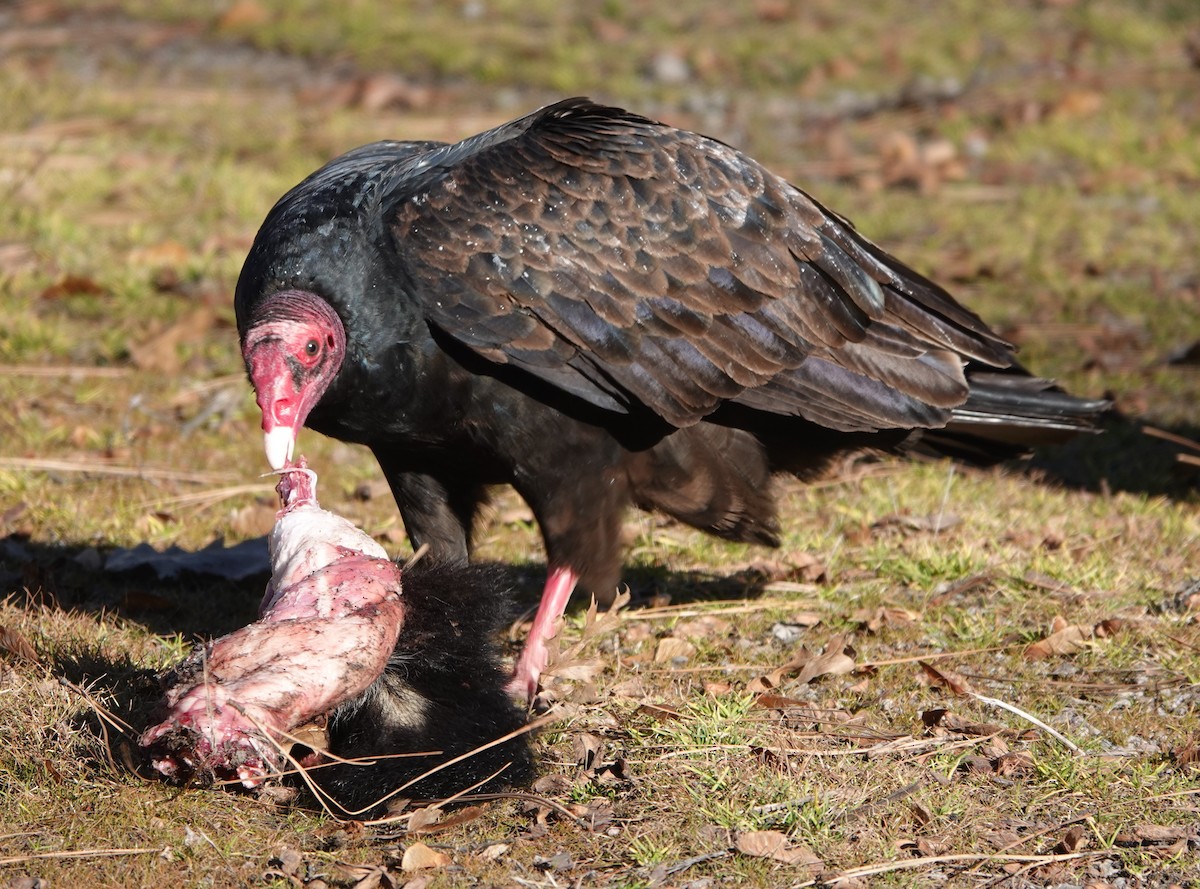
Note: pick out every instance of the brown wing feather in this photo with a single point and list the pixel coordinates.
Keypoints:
(628, 262)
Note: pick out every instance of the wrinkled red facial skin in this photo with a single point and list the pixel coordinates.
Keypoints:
(292, 353)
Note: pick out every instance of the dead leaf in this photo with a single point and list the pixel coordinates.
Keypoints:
(1154, 834)
(1078, 103)
(795, 573)
(946, 678)
(770, 701)
(932, 717)
(659, 712)
(833, 661)
(553, 785)
(493, 852)
(581, 670)
(1067, 639)
(804, 618)
(954, 722)
(705, 627)
(876, 619)
(1045, 582)
(1019, 764)
(166, 253)
(629, 688)
(15, 643)
(670, 649)
(73, 285)
(287, 863)
(368, 876)
(593, 815)
(980, 765)
(920, 814)
(418, 856)
(160, 352)
(776, 846)
(243, 15)
(773, 760)
(1188, 754)
(1073, 840)
(424, 818)
(559, 861)
(569, 663)
(589, 755)
(944, 592)
(588, 748)
(459, 818)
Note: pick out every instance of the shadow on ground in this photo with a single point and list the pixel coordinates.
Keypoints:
(1124, 458)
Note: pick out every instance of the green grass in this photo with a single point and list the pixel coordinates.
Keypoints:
(132, 179)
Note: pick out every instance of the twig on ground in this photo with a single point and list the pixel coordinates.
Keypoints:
(78, 853)
(1061, 738)
(68, 370)
(99, 467)
(871, 870)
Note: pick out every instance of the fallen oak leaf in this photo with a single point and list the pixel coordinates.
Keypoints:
(707, 626)
(947, 678)
(418, 856)
(1067, 639)
(73, 285)
(873, 620)
(160, 351)
(1187, 755)
(584, 670)
(166, 253)
(658, 712)
(769, 701)
(1074, 839)
(424, 819)
(569, 663)
(459, 818)
(367, 876)
(1154, 834)
(670, 649)
(832, 662)
(776, 846)
(15, 643)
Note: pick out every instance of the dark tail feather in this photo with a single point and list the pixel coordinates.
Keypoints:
(443, 694)
(1006, 415)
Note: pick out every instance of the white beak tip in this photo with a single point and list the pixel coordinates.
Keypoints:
(279, 443)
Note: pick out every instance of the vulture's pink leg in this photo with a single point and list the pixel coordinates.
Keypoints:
(532, 661)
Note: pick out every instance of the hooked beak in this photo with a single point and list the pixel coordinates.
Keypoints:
(279, 443)
(283, 399)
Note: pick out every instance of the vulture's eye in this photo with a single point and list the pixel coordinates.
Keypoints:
(311, 348)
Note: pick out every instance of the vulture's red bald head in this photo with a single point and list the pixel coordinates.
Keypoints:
(293, 349)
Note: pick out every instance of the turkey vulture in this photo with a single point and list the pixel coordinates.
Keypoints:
(600, 310)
